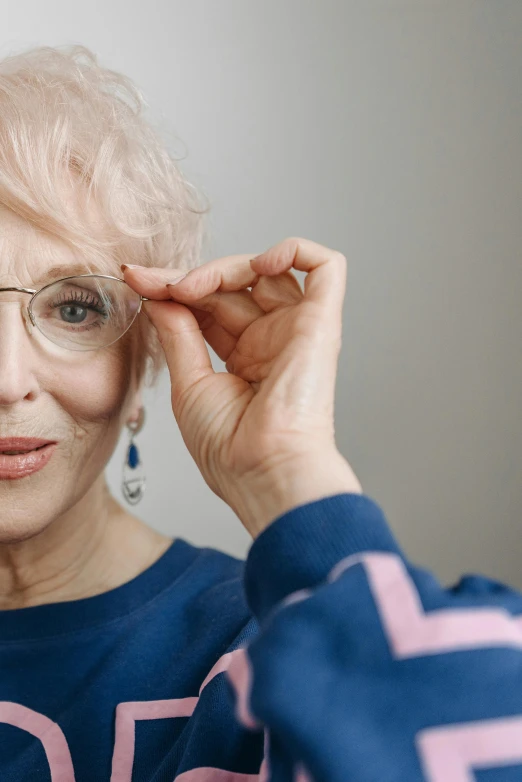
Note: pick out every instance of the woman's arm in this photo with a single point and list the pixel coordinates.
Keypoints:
(366, 668)
(372, 671)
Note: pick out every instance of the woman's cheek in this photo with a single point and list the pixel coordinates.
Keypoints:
(91, 395)
(93, 390)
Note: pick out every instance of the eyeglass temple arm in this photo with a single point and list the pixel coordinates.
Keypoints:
(22, 290)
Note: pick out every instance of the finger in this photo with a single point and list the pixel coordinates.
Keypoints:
(274, 292)
(187, 355)
(232, 273)
(221, 275)
(229, 273)
(325, 281)
(149, 281)
(219, 339)
(233, 309)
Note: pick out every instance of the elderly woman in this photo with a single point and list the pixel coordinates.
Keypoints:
(130, 656)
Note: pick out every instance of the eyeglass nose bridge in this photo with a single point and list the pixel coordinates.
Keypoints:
(32, 292)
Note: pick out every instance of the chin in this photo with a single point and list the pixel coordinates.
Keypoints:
(15, 527)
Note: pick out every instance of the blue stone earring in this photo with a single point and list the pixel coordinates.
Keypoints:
(133, 479)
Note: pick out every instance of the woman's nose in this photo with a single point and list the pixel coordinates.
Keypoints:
(16, 375)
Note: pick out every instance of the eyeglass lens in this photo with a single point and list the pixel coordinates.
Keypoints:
(85, 313)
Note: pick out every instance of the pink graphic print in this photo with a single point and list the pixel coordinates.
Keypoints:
(128, 713)
(449, 752)
(410, 631)
(49, 733)
(57, 752)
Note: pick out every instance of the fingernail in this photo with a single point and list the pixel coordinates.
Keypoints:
(129, 266)
(176, 280)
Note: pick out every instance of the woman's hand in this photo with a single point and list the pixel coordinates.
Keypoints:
(262, 433)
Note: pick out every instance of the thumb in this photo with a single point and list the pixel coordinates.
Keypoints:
(185, 349)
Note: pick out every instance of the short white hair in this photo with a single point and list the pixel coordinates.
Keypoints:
(64, 119)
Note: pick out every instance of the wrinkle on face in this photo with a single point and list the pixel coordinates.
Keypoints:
(80, 398)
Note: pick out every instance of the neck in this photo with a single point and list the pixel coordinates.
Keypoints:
(93, 547)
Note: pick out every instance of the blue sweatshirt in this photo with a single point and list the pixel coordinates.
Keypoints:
(325, 657)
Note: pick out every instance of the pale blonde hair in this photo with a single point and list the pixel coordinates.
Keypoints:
(66, 120)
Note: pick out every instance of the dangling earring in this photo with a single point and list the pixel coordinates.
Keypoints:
(133, 479)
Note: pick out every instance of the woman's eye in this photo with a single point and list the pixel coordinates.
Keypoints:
(73, 313)
(77, 313)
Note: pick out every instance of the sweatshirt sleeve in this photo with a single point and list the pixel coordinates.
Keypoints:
(365, 668)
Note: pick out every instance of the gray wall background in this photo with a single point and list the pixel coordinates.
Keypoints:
(391, 131)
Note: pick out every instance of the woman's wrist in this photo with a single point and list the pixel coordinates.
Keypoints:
(295, 480)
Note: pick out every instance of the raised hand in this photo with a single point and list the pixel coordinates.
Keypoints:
(269, 420)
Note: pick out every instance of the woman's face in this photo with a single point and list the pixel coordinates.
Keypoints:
(79, 399)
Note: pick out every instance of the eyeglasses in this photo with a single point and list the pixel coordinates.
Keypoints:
(84, 312)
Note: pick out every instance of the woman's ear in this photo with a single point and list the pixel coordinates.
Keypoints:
(135, 406)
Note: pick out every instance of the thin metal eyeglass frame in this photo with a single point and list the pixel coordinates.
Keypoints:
(34, 292)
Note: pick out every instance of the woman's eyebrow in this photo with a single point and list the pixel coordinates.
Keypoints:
(64, 270)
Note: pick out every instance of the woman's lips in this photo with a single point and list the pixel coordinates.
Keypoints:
(22, 464)
(22, 443)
